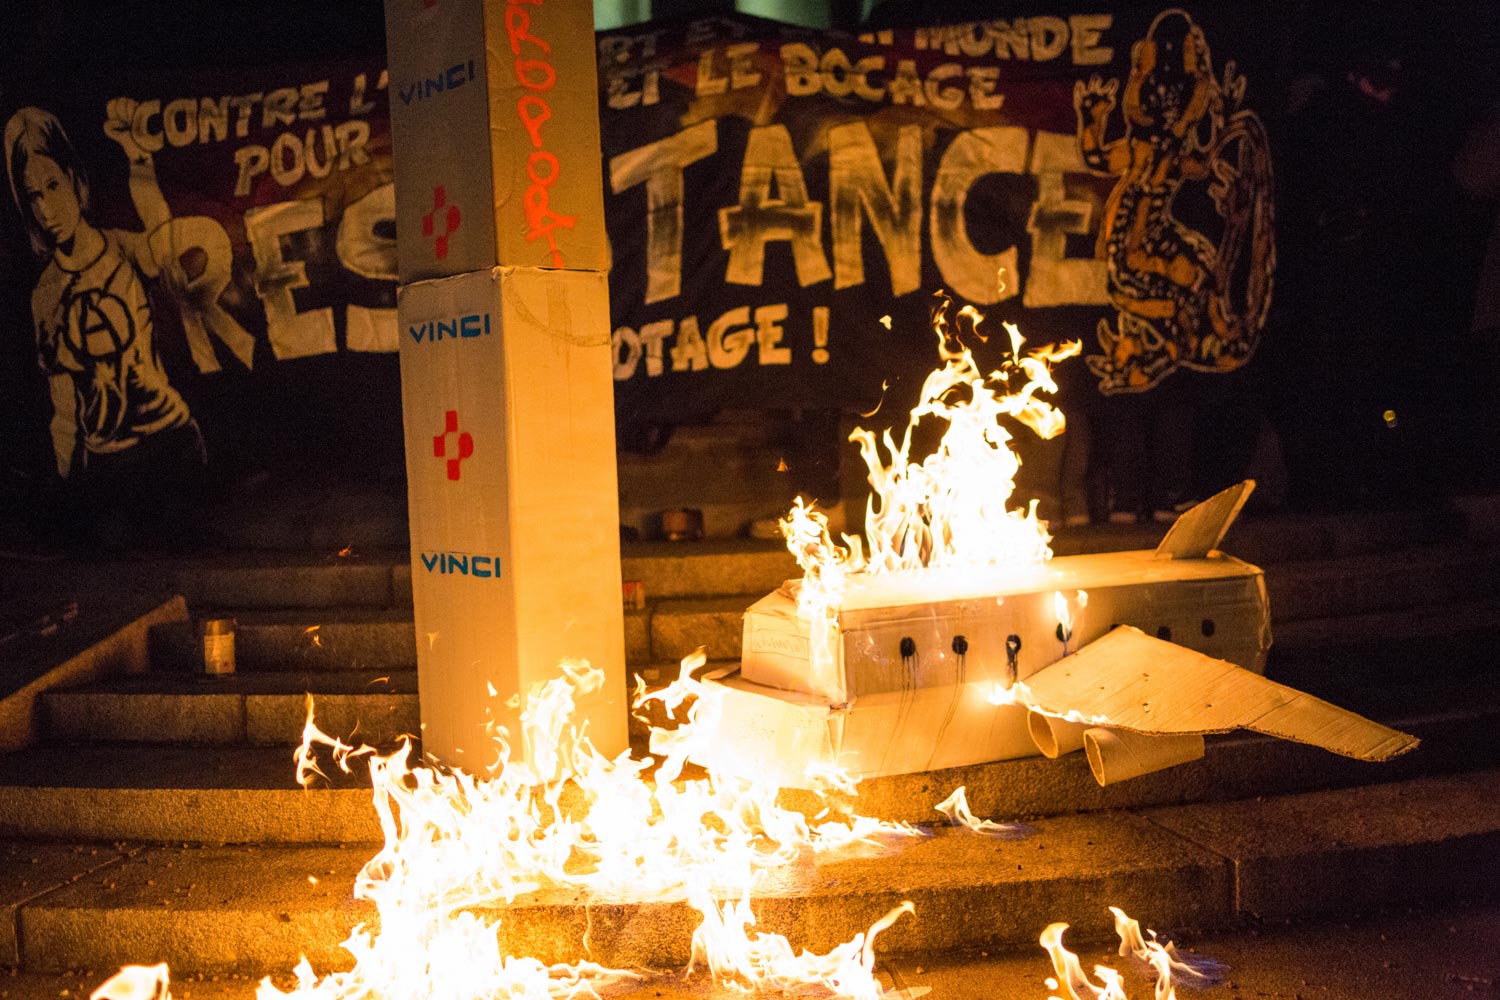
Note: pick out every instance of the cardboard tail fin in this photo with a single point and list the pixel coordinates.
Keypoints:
(1200, 530)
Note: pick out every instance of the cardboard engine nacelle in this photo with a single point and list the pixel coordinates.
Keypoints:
(933, 670)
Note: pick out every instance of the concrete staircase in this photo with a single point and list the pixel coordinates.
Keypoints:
(158, 817)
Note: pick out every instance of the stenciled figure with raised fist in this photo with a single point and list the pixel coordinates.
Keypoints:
(119, 427)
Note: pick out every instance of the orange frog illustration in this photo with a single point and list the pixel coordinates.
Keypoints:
(1193, 297)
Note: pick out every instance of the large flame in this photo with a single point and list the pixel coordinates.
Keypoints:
(952, 509)
(455, 845)
(948, 511)
(458, 847)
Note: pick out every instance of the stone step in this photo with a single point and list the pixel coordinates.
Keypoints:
(211, 793)
(218, 793)
(341, 574)
(253, 910)
(1445, 950)
(1287, 537)
(301, 639)
(1389, 647)
(261, 708)
(1344, 587)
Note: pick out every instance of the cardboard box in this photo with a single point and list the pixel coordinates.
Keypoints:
(902, 697)
(507, 404)
(787, 735)
(1216, 605)
(495, 121)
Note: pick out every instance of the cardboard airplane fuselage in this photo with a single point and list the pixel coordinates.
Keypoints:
(915, 663)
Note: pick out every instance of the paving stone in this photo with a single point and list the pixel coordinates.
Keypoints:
(1448, 952)
(30, 871)
(1432, 838)
(1435, 953)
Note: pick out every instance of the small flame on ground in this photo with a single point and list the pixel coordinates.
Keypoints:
(1169, 966)
(956, 808)
(135, 982)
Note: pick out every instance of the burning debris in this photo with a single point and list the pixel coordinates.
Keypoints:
(459, 849)
(951, 637)
(947, 636)
(456, 846)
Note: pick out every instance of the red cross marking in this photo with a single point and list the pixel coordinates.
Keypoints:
(449, 220)
(465, 446)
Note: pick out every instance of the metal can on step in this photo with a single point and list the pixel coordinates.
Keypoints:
(218, 647)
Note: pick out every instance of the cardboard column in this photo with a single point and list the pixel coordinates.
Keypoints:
(507, 395)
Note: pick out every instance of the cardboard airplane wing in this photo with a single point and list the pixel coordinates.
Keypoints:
(1131, 683)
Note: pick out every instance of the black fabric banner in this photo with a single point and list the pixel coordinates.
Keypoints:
(783, 203)
(202, 264)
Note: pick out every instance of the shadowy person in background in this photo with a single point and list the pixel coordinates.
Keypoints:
(1477, 168)
(120, 431)
(1374, 266)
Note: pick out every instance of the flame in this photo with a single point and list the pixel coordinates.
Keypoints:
(826, 568)
(950, 509)
(956, 808)
(1064, 616)
(457, 848)
(1164, 960)
(135, 982)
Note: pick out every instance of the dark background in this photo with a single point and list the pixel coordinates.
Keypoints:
(1379, 249)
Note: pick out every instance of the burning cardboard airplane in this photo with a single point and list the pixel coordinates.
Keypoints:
(959, 640)
(1133, 656)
